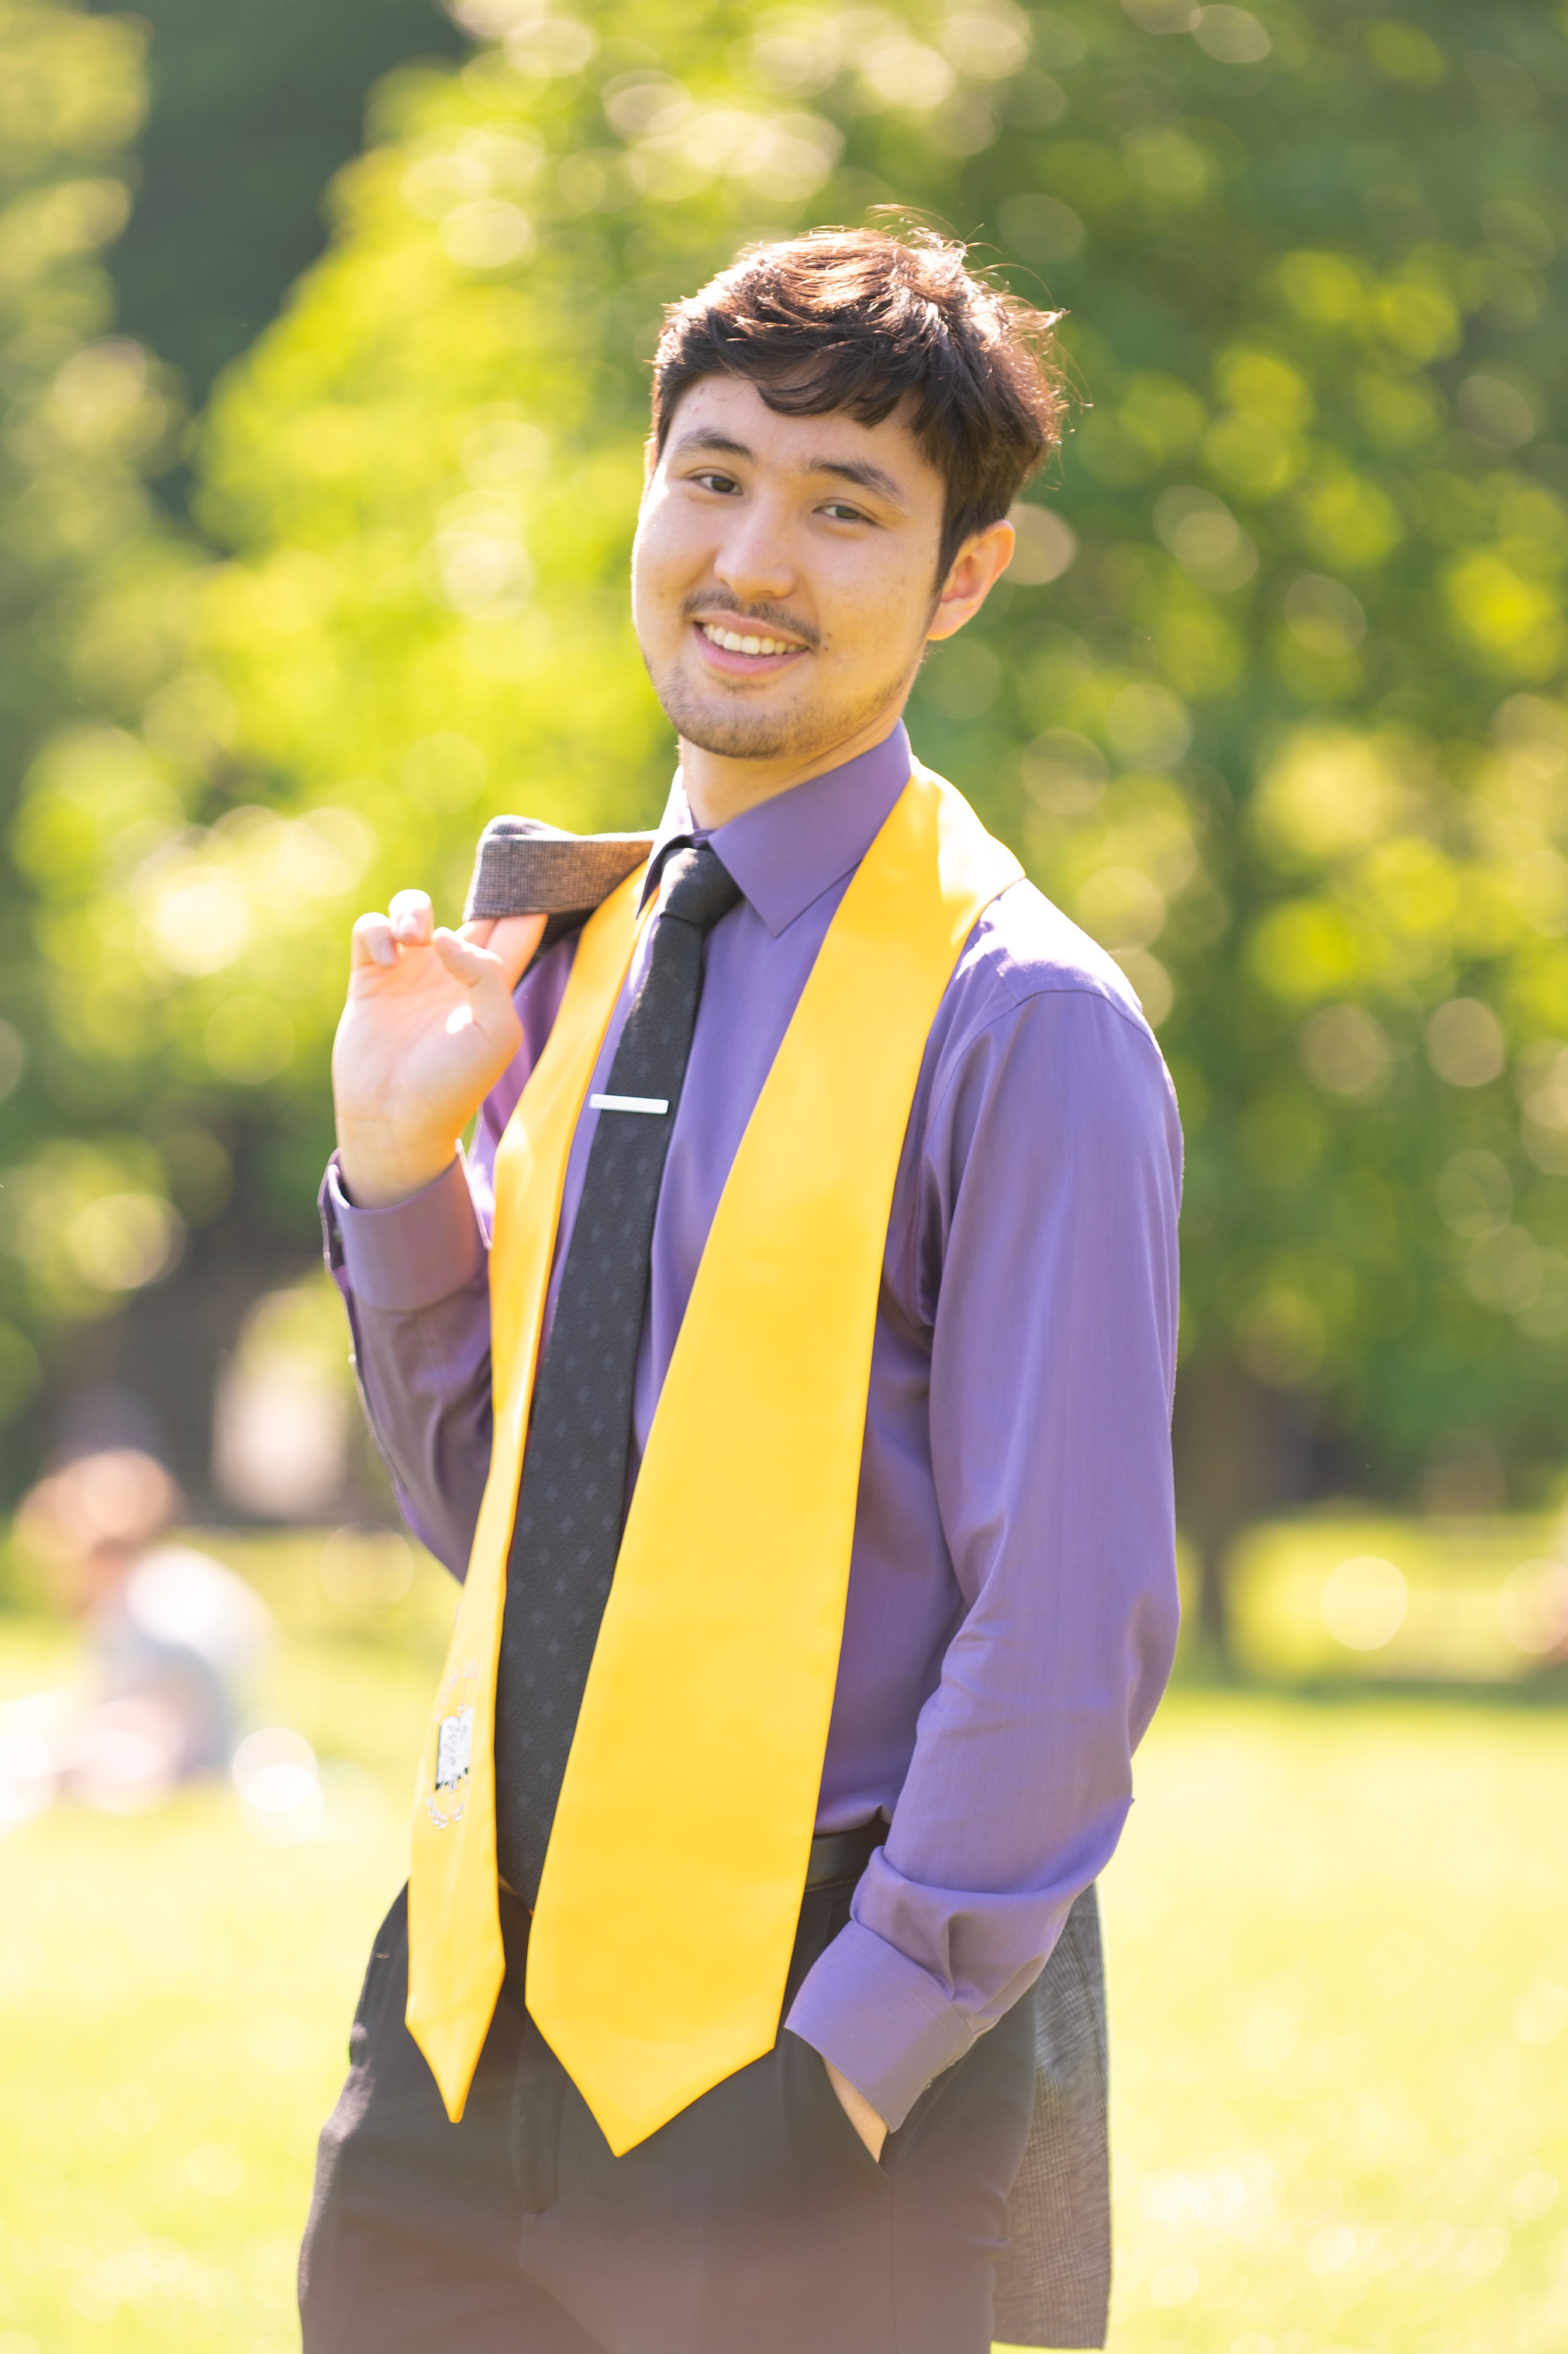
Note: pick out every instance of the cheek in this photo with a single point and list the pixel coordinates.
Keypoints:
(644, 552)
(664, 558)
(878, 603)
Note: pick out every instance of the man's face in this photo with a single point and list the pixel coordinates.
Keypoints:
(810, 545)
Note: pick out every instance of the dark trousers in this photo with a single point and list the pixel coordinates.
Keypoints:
(754, 2222)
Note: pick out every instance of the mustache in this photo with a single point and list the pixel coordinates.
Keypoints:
(764, 617)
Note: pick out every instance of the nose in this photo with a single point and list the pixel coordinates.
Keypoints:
(753, 558)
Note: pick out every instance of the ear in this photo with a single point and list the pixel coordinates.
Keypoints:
(974, 573)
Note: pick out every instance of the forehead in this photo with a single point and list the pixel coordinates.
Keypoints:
(734, 409)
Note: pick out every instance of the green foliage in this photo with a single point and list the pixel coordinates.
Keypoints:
(1273, 702)
(1283, 735)
(89, 622)
(251, 111)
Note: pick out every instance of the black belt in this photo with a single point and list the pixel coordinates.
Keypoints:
(843, 1855)
(836, 1856)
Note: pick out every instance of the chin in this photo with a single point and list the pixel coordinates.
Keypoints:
(742, 735)
(738, 732)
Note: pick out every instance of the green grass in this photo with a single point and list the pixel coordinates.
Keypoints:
(1339, 2066)
(1338, 1939)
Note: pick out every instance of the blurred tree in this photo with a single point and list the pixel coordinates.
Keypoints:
(250, 112)
(89, 631)
(117, 1156)
(1273, 702)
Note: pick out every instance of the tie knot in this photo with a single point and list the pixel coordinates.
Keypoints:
(700, 888)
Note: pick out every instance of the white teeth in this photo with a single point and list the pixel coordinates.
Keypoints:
(735, 644)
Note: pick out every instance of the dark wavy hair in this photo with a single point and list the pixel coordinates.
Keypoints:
(861, 319)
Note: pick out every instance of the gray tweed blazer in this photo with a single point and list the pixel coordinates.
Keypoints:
(1052, 2282)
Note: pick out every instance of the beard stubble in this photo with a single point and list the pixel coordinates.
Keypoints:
(734, 732)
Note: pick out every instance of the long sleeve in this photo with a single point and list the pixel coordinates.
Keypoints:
(414, 1281)
(1050, 1185)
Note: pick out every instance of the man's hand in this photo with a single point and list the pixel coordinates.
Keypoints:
(858, 2110)
(429, 1028)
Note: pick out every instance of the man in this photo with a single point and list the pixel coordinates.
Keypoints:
(792, 1699)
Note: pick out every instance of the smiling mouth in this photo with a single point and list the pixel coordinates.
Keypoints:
(737, 641)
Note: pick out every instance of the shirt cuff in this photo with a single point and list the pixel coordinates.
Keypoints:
(881, 2020)
(414, 1254)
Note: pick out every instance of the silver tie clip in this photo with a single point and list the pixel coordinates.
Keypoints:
(628, 1103)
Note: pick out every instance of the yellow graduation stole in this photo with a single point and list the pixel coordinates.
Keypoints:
(677, 1861)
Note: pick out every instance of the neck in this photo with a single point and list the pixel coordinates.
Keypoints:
(718, 787)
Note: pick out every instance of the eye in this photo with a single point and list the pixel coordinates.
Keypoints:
(724, 484)
(840, 510)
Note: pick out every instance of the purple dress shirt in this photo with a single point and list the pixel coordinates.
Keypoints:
(1013, 1609)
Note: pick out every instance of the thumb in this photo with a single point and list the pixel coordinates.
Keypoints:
(466, 961)
(512, 939)
(496, 963)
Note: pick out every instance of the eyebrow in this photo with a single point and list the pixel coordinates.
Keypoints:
(860, 472)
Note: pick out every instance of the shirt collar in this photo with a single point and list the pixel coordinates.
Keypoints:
(787, 852)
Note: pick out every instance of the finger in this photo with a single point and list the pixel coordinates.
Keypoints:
(512, 942)
(412, 918)
(515, 940)
(465, 960)
(373, 942)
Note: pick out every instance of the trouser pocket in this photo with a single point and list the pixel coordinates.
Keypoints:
(833, 2139)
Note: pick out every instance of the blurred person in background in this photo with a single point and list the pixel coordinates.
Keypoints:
(169, 1636)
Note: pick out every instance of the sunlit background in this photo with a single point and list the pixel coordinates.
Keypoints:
(324, 339)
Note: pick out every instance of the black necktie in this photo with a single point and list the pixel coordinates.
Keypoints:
(573, 1498)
